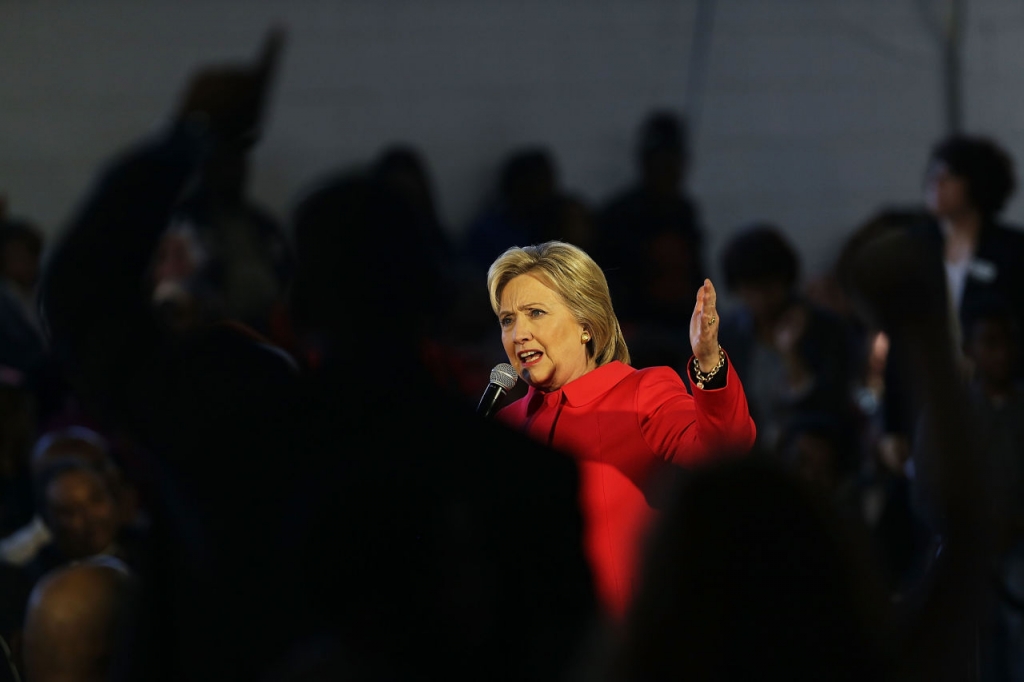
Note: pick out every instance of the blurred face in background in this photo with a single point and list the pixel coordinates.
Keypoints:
(992, 351)
(815, 461)
(81, 513)
(766, 299)
(946, 194)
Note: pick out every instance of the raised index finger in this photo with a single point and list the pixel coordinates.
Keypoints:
(269, 54)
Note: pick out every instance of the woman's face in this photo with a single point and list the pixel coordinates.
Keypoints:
(945, 193)
(542, 339)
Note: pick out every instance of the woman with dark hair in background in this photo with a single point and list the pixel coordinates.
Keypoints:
(968, 183)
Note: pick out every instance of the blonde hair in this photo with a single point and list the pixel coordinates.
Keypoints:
(574, 276)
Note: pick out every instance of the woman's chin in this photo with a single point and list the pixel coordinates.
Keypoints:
(530, 378)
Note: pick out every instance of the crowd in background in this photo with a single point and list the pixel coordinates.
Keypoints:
(328, 316)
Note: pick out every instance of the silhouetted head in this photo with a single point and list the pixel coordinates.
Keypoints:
(968, 172)
(367, 280)
(75, 622)
(573, 221)
(815, 446)
(762, 267)
(403, 168)
(877, 249)
(528, 181)
(663, 152)
(750, 574)
(991, 340)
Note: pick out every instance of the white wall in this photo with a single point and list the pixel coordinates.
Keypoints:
(813, 112)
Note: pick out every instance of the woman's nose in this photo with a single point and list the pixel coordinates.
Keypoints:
(522, 331)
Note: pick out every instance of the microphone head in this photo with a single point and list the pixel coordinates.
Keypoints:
(504, 375)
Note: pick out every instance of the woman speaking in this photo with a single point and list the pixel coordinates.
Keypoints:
(620, 424)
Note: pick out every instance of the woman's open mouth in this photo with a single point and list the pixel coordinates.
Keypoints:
(529, 357)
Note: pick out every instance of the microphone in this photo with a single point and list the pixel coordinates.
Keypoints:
(503, 378)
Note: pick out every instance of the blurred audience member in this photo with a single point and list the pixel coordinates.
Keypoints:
(235, 249)
(527, 202)
(454, 347)
(403, 168)
(819, 450)
(22, 344)
(968, 182)
(753, 575)
(207, 406)
(900, 539)
(180, 295)
(793, 355)
(80, 511)
(451, 558)
(78, 444)
(575, 222)
(992, 348)
(76, 621)
(650, 242)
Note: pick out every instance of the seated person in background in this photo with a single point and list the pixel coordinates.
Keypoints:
(992, 348)
(819, 451)
(76, 620)
(793, 355)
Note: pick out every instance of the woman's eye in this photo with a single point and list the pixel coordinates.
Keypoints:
(506, 321)
(536, 313)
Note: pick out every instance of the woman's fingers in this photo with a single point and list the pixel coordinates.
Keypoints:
(710, 311)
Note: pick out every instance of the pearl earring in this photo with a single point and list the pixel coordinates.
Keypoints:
(586, 337)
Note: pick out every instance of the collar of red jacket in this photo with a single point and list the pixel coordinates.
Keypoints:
(588, 387)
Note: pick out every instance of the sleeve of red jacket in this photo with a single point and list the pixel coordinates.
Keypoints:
(687, 429)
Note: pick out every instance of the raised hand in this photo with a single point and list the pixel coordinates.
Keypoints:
(230, 98)
(704, 325)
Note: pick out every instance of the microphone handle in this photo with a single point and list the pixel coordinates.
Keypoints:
(489, 401)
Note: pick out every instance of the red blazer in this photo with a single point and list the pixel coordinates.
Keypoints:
(621, 425)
